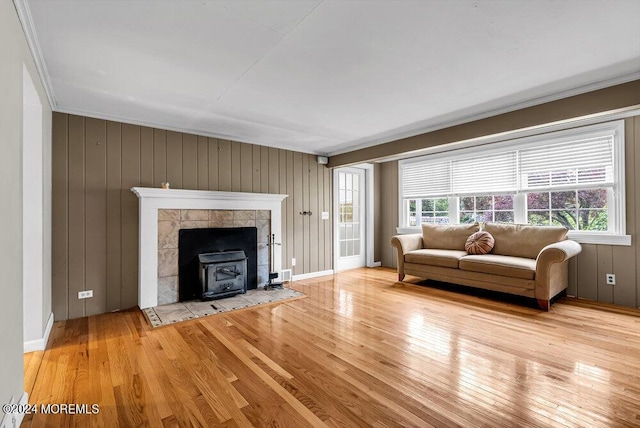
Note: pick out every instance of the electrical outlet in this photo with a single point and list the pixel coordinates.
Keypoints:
(85, 294)
(611, 279)
(293, 262)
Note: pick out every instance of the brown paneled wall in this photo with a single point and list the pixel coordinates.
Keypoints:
(587, 270)
(95, 215)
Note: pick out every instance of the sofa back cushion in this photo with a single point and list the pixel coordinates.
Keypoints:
(521, 240)
(447, 236)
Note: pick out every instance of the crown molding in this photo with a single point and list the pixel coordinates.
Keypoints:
(423, 129)
(24, 14)
(192, 131)
(560, 125)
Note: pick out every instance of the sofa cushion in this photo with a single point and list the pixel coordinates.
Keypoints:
(522, 240)
(433, 257)
(518, 267)
(447, 236)
(480, 242)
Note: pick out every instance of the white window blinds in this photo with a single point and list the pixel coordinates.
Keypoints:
(426, 179)
(580, 163)
(574, 164)
(496, 173)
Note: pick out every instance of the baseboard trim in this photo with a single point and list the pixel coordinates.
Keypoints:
(375, 264)
(11, 420)
(312, 275)
(39, 344)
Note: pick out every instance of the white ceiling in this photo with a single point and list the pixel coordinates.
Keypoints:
(325, 76)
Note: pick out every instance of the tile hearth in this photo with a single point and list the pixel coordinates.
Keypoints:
(183, 311)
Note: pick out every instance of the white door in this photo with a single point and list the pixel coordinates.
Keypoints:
(350, 215)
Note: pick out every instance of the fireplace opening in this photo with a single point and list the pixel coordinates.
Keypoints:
(222, 274)
(194, 242)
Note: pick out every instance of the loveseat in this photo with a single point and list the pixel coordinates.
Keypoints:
(525, 260)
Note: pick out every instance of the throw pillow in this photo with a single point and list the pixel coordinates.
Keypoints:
(479, 243)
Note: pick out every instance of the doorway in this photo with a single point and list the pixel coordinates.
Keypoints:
(352, 234)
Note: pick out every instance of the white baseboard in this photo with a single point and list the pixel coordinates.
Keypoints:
(375, 264)
(312, 274)
(39, 344)
(11, 420)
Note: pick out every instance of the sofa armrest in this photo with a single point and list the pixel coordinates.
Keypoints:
(558, 252)
(552, 273)
(404, 244)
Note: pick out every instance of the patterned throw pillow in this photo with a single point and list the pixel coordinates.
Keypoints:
(479, 243)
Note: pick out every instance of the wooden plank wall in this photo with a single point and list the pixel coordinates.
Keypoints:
(587, 270)
(95, 215)
(389, 212)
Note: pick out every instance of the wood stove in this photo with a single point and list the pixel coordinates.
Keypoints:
(193, 242)
(222, 274)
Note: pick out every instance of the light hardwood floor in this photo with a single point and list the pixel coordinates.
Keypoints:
(360, 350)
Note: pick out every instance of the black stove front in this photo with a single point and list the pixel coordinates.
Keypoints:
(193, 242)
(222, 274)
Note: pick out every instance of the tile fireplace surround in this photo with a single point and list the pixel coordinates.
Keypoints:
(163, 212)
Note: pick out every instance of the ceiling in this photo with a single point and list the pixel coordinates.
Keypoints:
(328, 76)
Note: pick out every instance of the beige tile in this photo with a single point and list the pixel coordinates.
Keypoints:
(263, 215)
(263, 275)
(225, 223)
(264, 230)
(167, 263)
(231, 303)
(263, 254)
(202, 309)
(258, 296)
(194, 224)
(167, 290)
(244, 223)
(173, 313)
(244, 215)
(220, 215)
(189, 215)
(168, 234)
(168, 215)
(168, 314)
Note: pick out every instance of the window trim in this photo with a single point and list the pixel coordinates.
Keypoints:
(617, 222)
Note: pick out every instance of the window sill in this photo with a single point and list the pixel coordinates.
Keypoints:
(597, 238)
(581, 237)
(408, 230)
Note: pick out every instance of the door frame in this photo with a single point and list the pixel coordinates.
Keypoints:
(368, 214)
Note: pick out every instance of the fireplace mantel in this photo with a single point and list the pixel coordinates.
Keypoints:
(153, 199)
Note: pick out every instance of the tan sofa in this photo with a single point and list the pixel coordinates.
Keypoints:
(529, 261)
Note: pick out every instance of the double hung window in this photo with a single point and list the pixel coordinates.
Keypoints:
(573, 178)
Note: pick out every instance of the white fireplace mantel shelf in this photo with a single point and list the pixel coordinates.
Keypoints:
(153, 199)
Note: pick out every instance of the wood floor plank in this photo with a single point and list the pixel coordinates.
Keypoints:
(361, 350)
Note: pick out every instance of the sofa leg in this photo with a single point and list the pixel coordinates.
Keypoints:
(544, 304)
(400, 277)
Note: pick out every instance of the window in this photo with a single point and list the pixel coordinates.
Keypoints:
(574, 209)
(428, 210)
(573, 178)
(494, 208)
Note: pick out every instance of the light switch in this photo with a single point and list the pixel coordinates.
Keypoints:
(325, 215)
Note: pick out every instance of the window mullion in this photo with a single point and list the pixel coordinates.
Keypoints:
(454, 210)
(520, 208)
